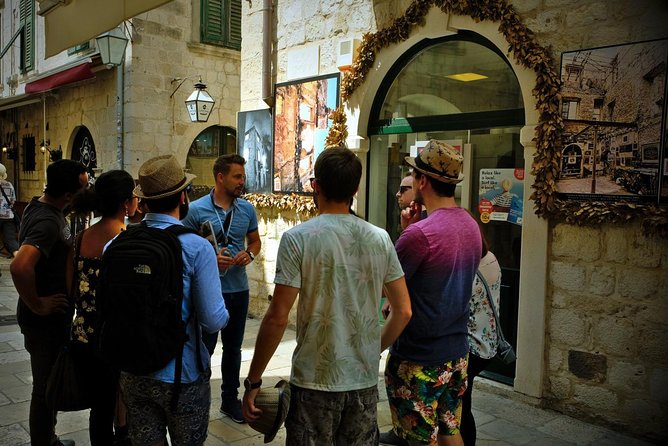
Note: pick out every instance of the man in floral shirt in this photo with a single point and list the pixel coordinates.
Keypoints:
(338, 264)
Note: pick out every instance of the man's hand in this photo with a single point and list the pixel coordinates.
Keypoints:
(224, 260)
(250, 412)
(242, 258)
(56, 303)
(411, 214)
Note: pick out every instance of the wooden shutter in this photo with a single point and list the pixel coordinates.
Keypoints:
(27, 19)
(213, 13)
(221, 23)
(234, 34)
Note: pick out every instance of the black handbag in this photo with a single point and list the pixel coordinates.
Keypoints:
(504, 351)
(66, 388)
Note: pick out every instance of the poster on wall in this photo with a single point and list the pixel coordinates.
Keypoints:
(254, 144)
(301, 124)
(613, 105)
(501, 195)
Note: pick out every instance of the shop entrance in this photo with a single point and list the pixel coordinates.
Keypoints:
(461, 90)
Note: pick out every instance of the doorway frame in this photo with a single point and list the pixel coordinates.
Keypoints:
(531, 328)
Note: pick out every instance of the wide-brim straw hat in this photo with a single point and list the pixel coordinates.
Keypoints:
(161, 177)
(274, 403)
(439, 160)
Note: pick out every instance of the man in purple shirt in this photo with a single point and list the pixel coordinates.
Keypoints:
(425, 374)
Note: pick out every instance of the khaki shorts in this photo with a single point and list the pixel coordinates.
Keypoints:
(333, 418)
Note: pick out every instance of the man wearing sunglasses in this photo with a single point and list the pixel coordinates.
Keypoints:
(405, 193)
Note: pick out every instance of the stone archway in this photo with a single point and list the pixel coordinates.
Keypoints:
(532, 295)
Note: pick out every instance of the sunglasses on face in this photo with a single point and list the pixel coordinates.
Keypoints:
(403, 189)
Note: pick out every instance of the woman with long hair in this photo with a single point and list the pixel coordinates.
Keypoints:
(112, 199)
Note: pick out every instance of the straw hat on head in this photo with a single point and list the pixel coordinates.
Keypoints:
(274, 403)
(161, 177)
(440, 161)
(3, 172)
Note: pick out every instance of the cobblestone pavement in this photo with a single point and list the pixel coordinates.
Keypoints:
(501, 420)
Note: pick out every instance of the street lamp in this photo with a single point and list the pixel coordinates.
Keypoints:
(199, 103)
(112, 46)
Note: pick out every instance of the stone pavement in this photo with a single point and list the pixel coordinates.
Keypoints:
(501, 421)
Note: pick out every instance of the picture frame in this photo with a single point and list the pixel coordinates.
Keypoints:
(254, 143)
(301, 124)
(613, 102)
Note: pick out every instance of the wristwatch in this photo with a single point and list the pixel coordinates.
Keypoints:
(250, 254)
(248, 385)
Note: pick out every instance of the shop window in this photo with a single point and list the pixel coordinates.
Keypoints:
(29, 145)
(204, 150)
(27, 20)
(221, 23)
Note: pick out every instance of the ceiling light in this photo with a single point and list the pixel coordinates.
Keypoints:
(467, 77)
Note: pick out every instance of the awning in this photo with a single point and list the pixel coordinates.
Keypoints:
(70, 23)
(68, 76)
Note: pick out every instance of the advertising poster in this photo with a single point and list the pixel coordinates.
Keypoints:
(501, 195)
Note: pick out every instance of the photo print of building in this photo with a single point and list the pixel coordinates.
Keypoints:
(254, 144)
(613, 106)
(301, 125)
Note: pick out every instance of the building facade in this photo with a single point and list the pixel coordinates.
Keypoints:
(112, 117)
(585, 306)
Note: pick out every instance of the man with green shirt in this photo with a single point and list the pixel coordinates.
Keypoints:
(338, 264)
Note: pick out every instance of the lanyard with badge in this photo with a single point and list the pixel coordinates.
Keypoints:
(225, 227)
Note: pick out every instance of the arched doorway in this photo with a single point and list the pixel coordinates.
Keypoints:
(205, 148)
(460, 89)
(83, 149)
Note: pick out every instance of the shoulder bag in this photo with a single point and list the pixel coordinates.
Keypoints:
(66, 388)
(504, 351)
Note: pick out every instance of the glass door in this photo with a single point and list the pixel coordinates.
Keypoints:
(489, 153)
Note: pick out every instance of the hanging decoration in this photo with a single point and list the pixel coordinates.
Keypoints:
(338, 132)
(301, 204)
(523, 46)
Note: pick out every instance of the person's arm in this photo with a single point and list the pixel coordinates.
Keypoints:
(270, 335)
(212, 314)
(253, 244)
(397, 296)
(22, 269)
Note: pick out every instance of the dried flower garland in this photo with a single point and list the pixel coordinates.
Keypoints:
(528, 53)
(338, 132)
(301, 204)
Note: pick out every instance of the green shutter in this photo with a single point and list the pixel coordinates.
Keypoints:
(212, 21)
(27, 19)
(221, 22)
(234, 36)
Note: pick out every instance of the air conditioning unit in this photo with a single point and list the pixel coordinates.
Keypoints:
(346, 53)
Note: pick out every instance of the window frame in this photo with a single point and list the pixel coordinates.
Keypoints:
(225, 31)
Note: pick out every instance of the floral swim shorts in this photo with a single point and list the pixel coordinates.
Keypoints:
(424, 397)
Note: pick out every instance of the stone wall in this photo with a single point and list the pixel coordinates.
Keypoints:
(607, 315)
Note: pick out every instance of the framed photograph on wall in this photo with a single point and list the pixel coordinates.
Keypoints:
(613, 101)
(254, 144)
(301, 124)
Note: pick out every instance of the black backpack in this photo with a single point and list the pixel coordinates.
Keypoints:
(139, 301)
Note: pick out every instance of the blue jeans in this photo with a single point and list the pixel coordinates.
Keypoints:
(232, 337)
(43, 345)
